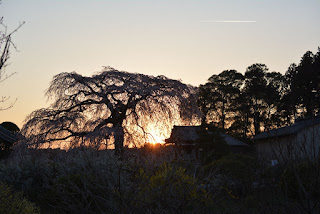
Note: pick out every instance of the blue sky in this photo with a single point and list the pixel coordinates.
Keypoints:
(176, 38)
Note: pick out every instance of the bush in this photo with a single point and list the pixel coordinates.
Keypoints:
(234, 172)
(13, 202)
(78, 193)
(69, 182)
(170, 189)
(302, 181)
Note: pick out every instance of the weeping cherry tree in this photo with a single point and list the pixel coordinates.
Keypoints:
(111, 106)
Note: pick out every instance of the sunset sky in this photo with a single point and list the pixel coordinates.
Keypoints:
(181, 39)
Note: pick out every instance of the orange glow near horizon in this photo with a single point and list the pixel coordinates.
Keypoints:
(154, 138)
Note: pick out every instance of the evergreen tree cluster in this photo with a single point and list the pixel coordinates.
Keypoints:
(258, 100)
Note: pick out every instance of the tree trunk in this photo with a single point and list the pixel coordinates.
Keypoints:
(256, 123)
(245, 130)
(118, 138)
(256, 118)
(223, 116)
(309, 110)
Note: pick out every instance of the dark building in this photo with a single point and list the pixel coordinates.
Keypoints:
(7, 138)
(186, 138)
(298, 141)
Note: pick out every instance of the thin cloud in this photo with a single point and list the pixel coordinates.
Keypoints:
(229, 21)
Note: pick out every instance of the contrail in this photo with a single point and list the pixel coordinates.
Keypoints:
(229, 21)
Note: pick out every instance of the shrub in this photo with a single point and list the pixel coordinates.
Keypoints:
(171, 190)
(234, 172)
(302, 181)
(13, 202)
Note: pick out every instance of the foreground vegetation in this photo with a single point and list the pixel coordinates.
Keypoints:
(14, 202)
(111, 104)
(152, 180)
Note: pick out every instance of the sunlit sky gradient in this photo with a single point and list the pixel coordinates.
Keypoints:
(181, 39)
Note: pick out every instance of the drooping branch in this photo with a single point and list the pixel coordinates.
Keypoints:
(109, 105)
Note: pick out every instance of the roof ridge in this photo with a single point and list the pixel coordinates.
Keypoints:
(288, 130)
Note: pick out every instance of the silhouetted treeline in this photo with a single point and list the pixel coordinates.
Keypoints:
(259, 100)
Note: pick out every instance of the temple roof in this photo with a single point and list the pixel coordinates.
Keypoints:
(288, 130)
(185, 134)
(6, 135)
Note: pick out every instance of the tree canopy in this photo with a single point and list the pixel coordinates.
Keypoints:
(304, 84)
(109, 107)
(10, 126)
(245, 105)
(216, 97)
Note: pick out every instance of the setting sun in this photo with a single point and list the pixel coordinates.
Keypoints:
(154, 138)
(160, 106)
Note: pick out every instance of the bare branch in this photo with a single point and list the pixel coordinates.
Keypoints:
(109, 105)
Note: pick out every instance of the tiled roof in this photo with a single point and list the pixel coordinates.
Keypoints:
(231, 141)
(288, 130)
(6, 135)
(184, 134)
(190, 134)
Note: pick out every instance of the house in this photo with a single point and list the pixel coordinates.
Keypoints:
(291, 143)
(7, 138)
(186, 139)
